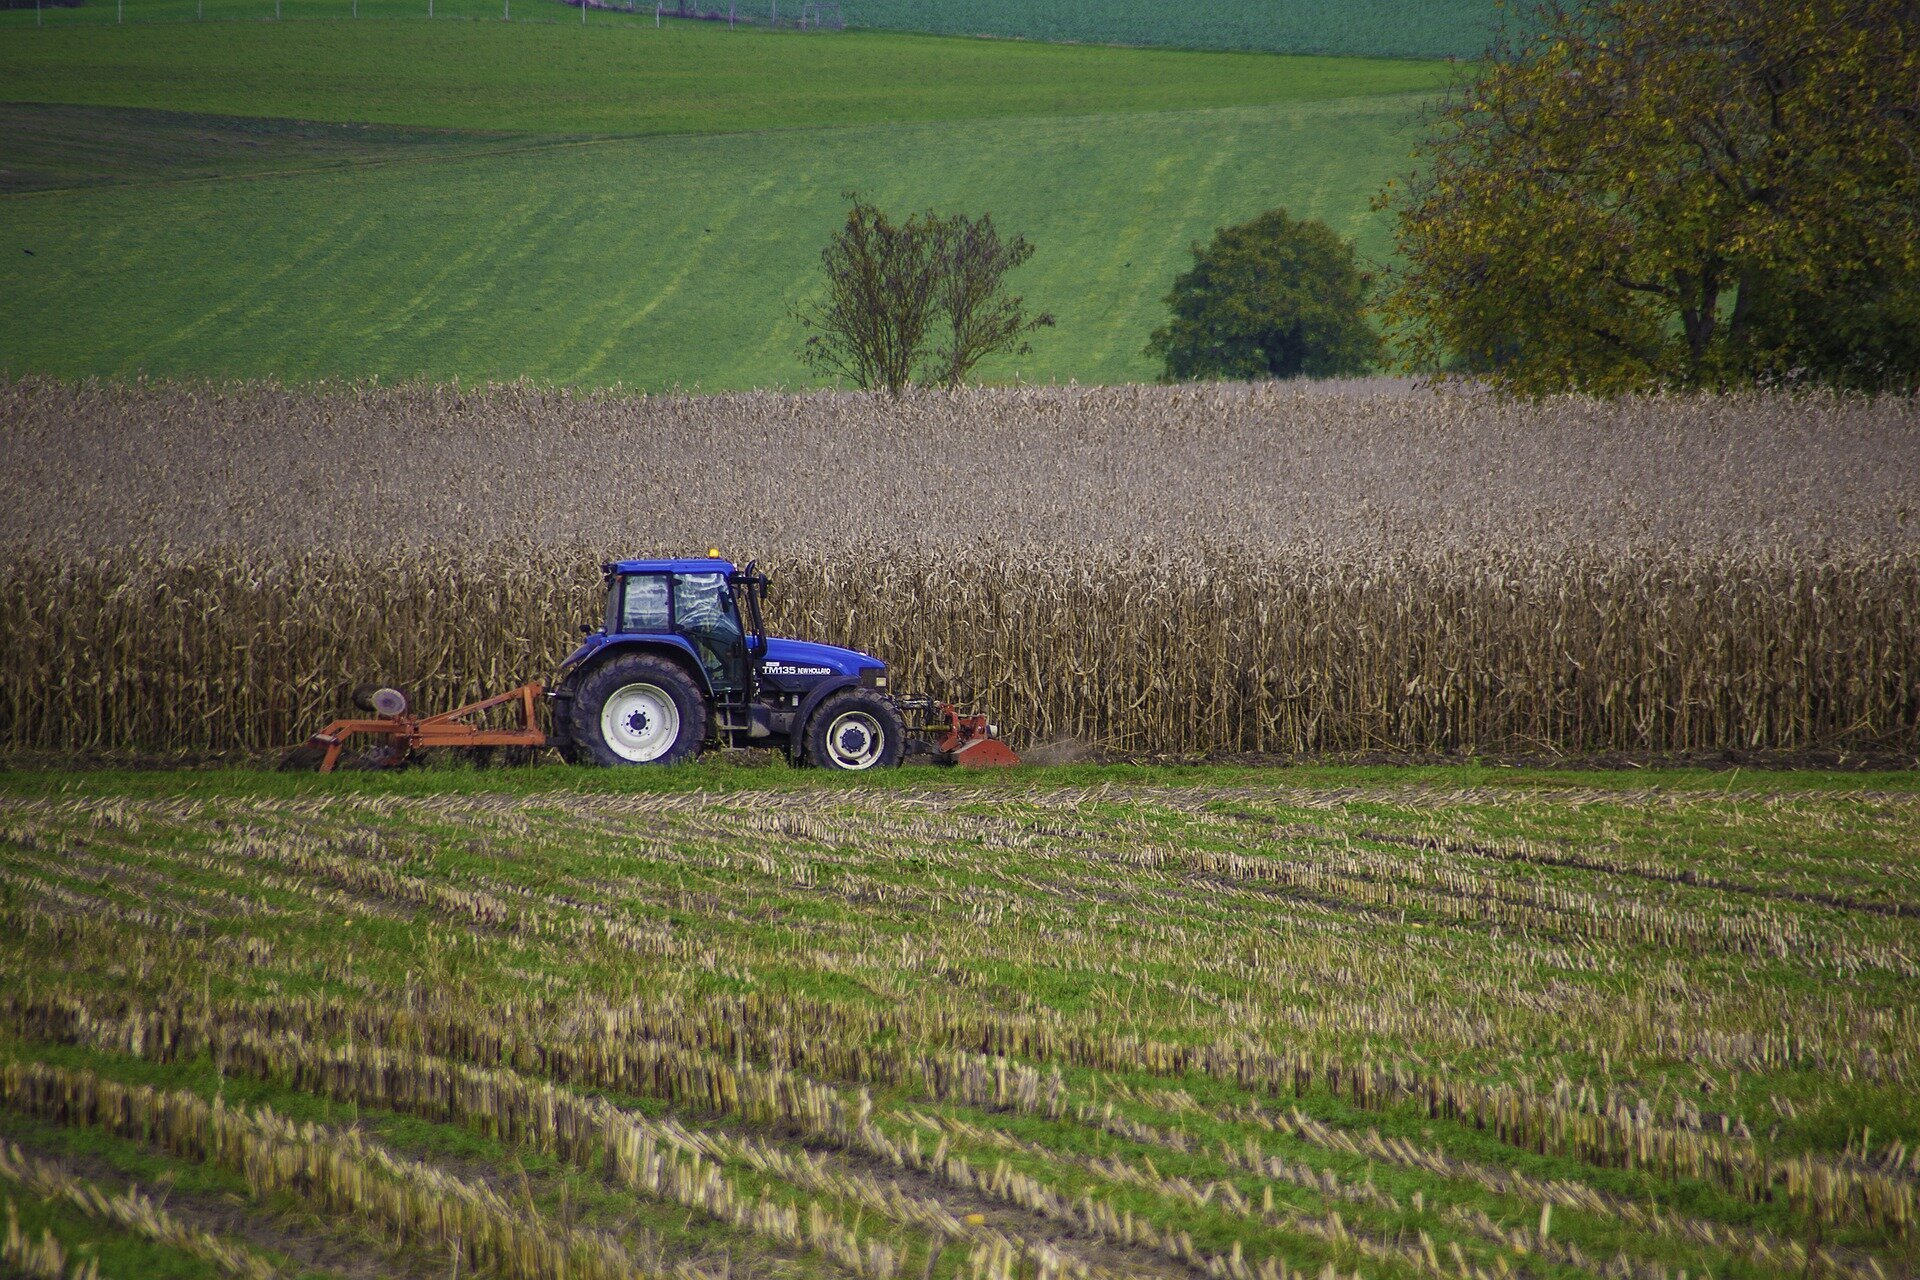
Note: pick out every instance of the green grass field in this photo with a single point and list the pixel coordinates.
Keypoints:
(725, 1021)
(1380, 28)
(617, 205)
(1365, 28)
(685, 78)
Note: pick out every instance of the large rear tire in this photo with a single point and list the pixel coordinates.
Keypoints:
(855, 731)
(560, 731)
(637, 709)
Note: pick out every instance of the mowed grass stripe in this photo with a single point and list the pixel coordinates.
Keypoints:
(661, 262)
(691, 78)
(59, 145)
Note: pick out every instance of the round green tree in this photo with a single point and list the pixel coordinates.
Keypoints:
(1277, 297)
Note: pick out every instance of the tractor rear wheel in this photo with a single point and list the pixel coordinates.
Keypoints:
(637, 709)
(855, 731)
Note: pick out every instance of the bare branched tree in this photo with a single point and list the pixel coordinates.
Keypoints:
(890, 286)
(983, 319)
(882, 287)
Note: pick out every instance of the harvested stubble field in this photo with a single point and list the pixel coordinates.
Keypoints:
(1465, 1024)
(1350, 568)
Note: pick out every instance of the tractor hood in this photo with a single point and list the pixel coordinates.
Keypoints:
(805, 658)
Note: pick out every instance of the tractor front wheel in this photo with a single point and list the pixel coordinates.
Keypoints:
(854, 731)
(639, 709)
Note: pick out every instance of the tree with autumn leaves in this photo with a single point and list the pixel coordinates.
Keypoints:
(1640, 194)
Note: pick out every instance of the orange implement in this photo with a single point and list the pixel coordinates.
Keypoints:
(970, 742)
(405, 733)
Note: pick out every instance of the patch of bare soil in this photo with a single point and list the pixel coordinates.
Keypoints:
(742, 1257)
(1095, 1250)
(1837, 761)
(330, 1247)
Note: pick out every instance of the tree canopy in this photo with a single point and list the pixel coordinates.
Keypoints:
(1272, 298)
(1639, 193)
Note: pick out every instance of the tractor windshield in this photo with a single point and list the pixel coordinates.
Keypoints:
(704, 612)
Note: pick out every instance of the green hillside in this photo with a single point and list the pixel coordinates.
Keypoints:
(685, 78)
(652, 262)
(541, 202)
(1365, 28)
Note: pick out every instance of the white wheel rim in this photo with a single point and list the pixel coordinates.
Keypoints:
(855, 741)
(640, 722)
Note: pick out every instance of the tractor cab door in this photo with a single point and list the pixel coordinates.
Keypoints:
(704, 611)
(749, 588)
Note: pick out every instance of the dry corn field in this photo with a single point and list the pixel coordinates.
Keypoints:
(1215, 570)
(1246, 1027)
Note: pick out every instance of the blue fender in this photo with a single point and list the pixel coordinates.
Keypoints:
(601, 646)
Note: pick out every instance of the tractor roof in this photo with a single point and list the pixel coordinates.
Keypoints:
(673, 566)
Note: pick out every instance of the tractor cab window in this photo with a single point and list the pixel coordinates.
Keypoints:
(643, 602)
(704, 612)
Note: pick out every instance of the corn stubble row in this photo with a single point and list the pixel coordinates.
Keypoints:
(131, 1210)
(1463, 885)
(387, 953)
(667, 1160)
(40, 1257)
(1579, 1123)
(1158, 570)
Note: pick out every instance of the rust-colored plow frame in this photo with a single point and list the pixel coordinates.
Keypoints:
(969, 741)
(408, 733)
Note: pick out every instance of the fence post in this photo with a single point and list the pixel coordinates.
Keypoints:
(656, 16)
(120, 11)
(729, 15)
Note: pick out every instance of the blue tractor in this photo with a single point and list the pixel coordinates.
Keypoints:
(682, 659)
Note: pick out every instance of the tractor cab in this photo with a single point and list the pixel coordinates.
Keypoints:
(710, 607)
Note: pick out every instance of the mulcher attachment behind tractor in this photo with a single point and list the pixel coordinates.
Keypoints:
(968, 741)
